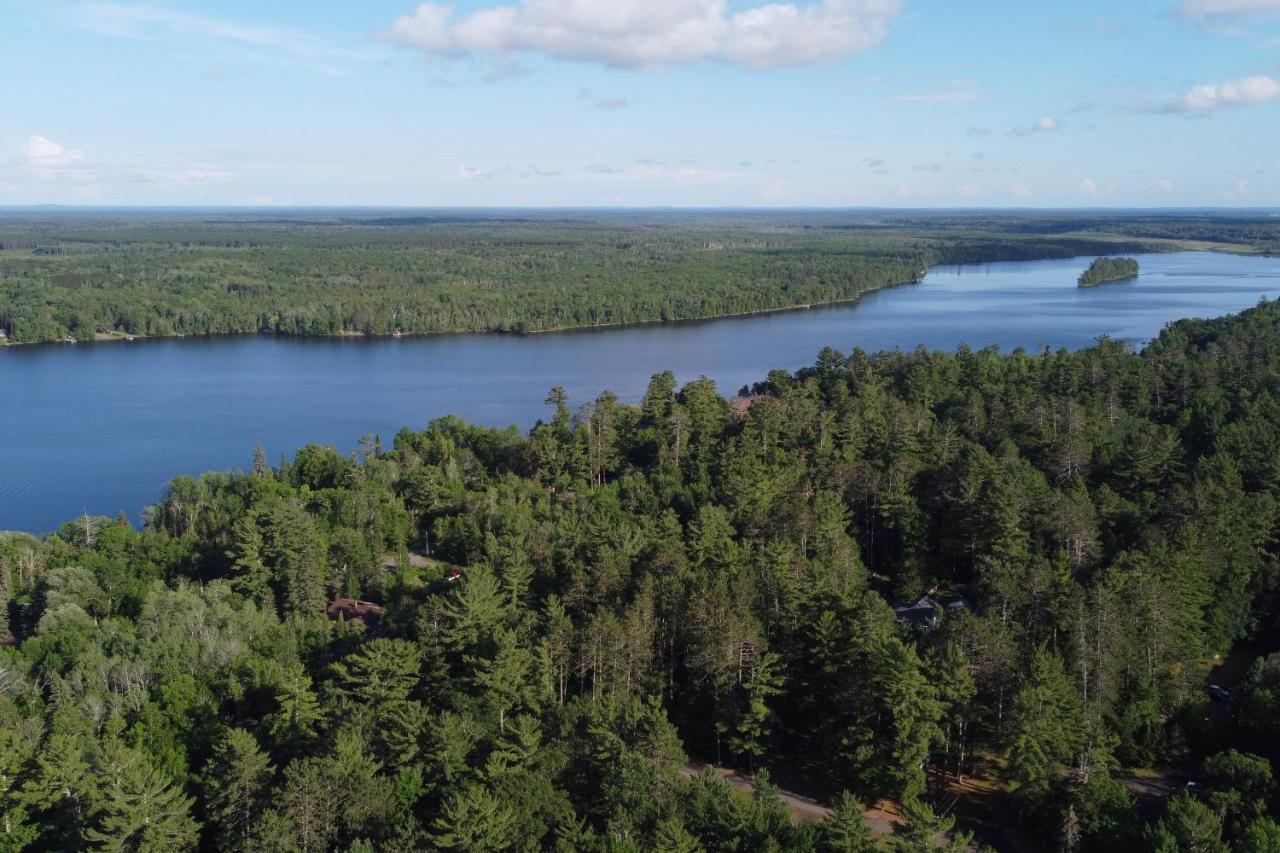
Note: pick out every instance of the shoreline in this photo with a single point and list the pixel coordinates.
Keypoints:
(1158, 248)
(101, 338)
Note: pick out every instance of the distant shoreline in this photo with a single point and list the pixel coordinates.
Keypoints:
(101, 338)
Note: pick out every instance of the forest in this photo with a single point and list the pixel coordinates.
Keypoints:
(1104, 270)
(68, 275)
(1015, 602)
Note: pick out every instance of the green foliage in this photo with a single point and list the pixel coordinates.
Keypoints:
(551, 624)
(1103, 270)
(1188, 826)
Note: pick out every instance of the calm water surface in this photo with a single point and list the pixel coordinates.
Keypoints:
(103, 428)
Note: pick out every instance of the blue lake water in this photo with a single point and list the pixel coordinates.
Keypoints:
(102, 428)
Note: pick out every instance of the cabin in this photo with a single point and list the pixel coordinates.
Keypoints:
(354, 611)
(924, 613)
(740, 406)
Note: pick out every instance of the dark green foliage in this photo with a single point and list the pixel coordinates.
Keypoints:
(84, 275)
(560, 621)
(1103, 270)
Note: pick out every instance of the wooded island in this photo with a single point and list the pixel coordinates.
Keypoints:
(1105, 270)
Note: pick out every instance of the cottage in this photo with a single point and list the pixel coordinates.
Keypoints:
(353, 611)
(740, 406)
(923, 613)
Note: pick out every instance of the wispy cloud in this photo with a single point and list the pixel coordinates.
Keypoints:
(184, 177)
(608, 103)
(52, 160)
(1048, 124)
(648, 34)
(960, 94)
(144, 21)
(1210, 11)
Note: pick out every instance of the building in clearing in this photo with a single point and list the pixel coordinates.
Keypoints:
(353, 611)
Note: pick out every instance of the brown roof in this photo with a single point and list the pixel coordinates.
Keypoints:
(739, 406)
(366, 613)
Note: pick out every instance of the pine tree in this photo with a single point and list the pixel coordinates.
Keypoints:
(235, 783)
(474, 820)
(749, 714)
(252, 577)
(672, 837)
(259, 460)
(922, 831)
(298, 711)
(60, 789)
(1188, 826)
(140, 809)
(505, 678)
(381, 675)
(845, 830)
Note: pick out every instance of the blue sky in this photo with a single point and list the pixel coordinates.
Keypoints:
(641, 102)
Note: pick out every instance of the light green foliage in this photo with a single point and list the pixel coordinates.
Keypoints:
(1188, 826)
(846, 830)
(138, 809)
(473, 819)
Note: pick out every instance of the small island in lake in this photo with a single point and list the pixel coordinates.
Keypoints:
(1104, 270)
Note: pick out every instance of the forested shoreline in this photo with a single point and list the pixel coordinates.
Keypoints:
(473, 639)
(86, 276)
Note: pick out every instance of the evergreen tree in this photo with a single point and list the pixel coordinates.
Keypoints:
(1188, 826)
(474, 820)
(235, 782)
(845, 830)
(139, 809)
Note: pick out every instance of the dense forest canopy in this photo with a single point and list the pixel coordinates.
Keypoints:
(473, 639)
(1104, 270)
(85, 275)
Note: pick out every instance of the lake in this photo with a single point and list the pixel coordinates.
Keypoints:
(102, 428)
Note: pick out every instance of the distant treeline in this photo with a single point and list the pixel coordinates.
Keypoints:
(79, 275)
(1104, 270)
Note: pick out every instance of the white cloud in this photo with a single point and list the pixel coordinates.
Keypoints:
(1213, 96)
(1022, 192)
(1089, 188)
(1048, 124)
(53, 160)
(1164, 186)
(654, 33)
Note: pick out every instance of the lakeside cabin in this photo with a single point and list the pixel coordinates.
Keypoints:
(353, 611)
(739, 407)
(927, 611)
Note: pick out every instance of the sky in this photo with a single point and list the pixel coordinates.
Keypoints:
(687, 103)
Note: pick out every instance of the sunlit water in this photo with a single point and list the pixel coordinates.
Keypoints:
(102, 428)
